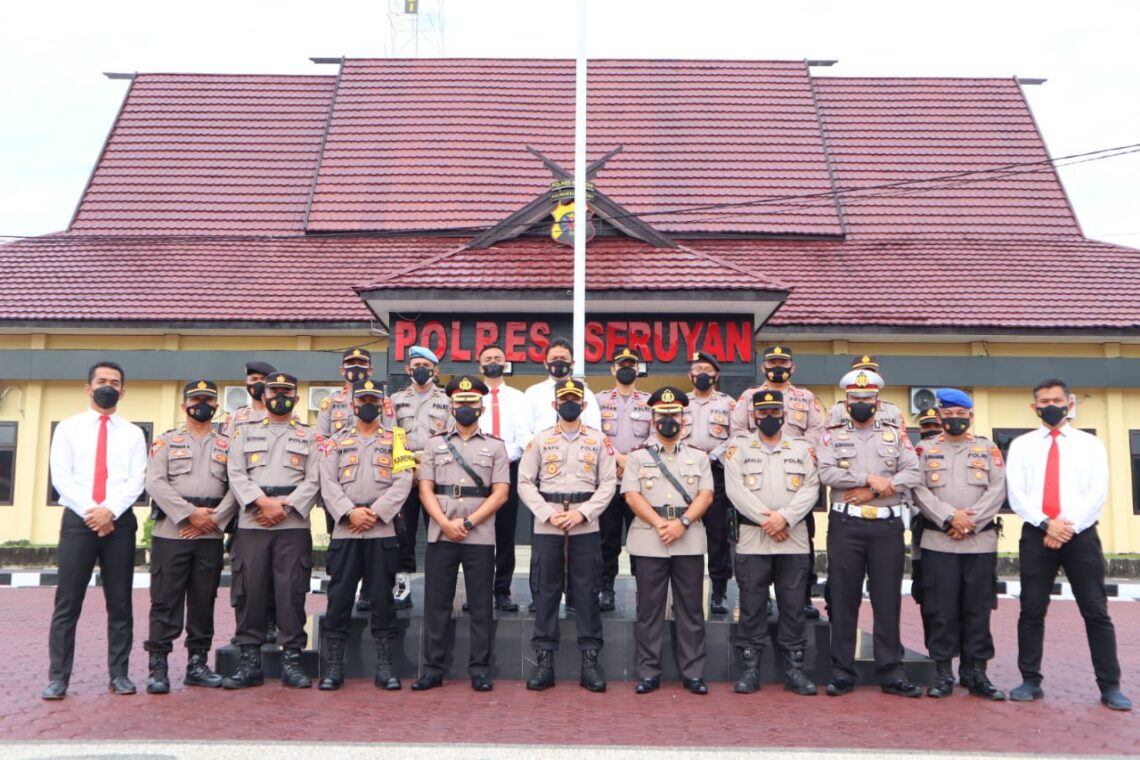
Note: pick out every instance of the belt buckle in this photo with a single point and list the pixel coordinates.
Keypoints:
(870, 513)
(455, 491)
(670, 512)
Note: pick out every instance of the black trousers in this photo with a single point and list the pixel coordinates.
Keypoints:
(407, 526)
(506, 525)
(286, 557)
(754, 574)
(441, 572)
(871, 549)
(612, 526)
(373, 561)
(958, 594)
(1083, 561)
(686, 574)
(583, 560)
(184, 577)
(716, 529)
(79, 549)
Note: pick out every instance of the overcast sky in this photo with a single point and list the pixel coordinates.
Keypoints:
(58, 107)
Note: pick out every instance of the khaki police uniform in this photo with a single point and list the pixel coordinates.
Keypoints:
(184, 473)
(240, 417)
(887, 413)
(627, 420)
(959, 577)
(459, 497)
(707, 425)
(680, 564)
(560, 472)
(276, 459)
(803, 415)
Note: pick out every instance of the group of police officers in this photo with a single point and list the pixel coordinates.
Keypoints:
(688, 473)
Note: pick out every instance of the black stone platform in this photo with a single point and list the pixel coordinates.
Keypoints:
(513, 656)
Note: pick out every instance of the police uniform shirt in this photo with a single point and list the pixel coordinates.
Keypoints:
(336, 414)
(707, 422)
(643, 475)
(887, 413)
(967, 474)
(182, 465)
(422, 415)
(847, 456)
(553, 463)
(626, 420)
(360, 470)
(783, 479)
(487, 456)
(275, 454)
(803, 415)
(242, 416)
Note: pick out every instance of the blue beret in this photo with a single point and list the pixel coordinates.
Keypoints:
(953, 397)
(419, 352)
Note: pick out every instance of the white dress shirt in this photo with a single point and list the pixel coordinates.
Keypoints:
(73, 462)
(1084, 475)
(514, 419)
(543, 415)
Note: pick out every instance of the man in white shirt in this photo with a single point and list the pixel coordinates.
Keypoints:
(98, 466)
(1057, 481)
(506, 415)
(559, 363)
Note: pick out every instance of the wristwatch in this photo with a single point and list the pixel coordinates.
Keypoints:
(686, 522)
(1044, 524)
(874, 492)
(468, 525)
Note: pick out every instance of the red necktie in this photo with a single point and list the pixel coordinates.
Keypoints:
(1051, 502)
(99, 487)
(495, 412)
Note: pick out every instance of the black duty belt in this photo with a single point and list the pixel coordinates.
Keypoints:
(931, 525)
(458, 492)
(580, 497)
(156, 512)
(744, 519)
(278, 490)
(670, 512)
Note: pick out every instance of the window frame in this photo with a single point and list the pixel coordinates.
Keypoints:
(13, 447)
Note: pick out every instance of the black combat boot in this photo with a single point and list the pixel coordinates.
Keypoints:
(980, 685)
(606, 600)
(385, 672)
(795, 679)
(292, 674)
(965, 672)
(271, 628)
(592, 678)
(943, 685)
(749, 680)
(158, 682)
(333, 677)
(543, 675)
(249, 669)
(198, 671)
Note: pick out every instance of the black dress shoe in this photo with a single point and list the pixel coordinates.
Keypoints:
(364, 605)
(503, 603)
(646, 685)
(695, 685)
(122, 686)
(1026, 692)
(531, 607)
(606, 600)
(840, 686)
(55, 690)
(1113, 698)
(481, 682)
(811, 612)
(902, 688)
(427, 681)
(718, 605)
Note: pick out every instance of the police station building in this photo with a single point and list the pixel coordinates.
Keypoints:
(383, 203)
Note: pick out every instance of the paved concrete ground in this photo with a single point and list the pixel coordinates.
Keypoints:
(1069, 721)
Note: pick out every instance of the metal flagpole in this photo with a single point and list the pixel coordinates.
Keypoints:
(581, 213)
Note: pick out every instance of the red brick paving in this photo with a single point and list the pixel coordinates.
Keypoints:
(1070, 720)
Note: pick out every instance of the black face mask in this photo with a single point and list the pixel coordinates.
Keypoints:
(1051, 415)
(955, 425)
(493, 369)
(368, 412)
(769, 426)
(202, 411)
(256, 390)
(279, 405)
(929, 433)
(106, 397)
(703, 381)
(355, 373)
(778, 374)
(559, 369)
(626, 375)
(667, 427)
(861, 411)
(570, 410)
(421, 375)
(466, 416)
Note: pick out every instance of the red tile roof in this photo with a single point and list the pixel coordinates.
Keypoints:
(206, 153)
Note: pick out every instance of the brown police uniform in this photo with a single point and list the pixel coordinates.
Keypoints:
(421, 416)
(803, 415)
(627, 420)
(679, 564)
(707, 426)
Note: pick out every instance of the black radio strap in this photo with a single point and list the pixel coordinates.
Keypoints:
(669, 476)
(463, 463)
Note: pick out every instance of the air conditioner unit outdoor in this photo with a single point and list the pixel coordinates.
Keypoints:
(318, 393)
(234, 396)
(921, 399)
